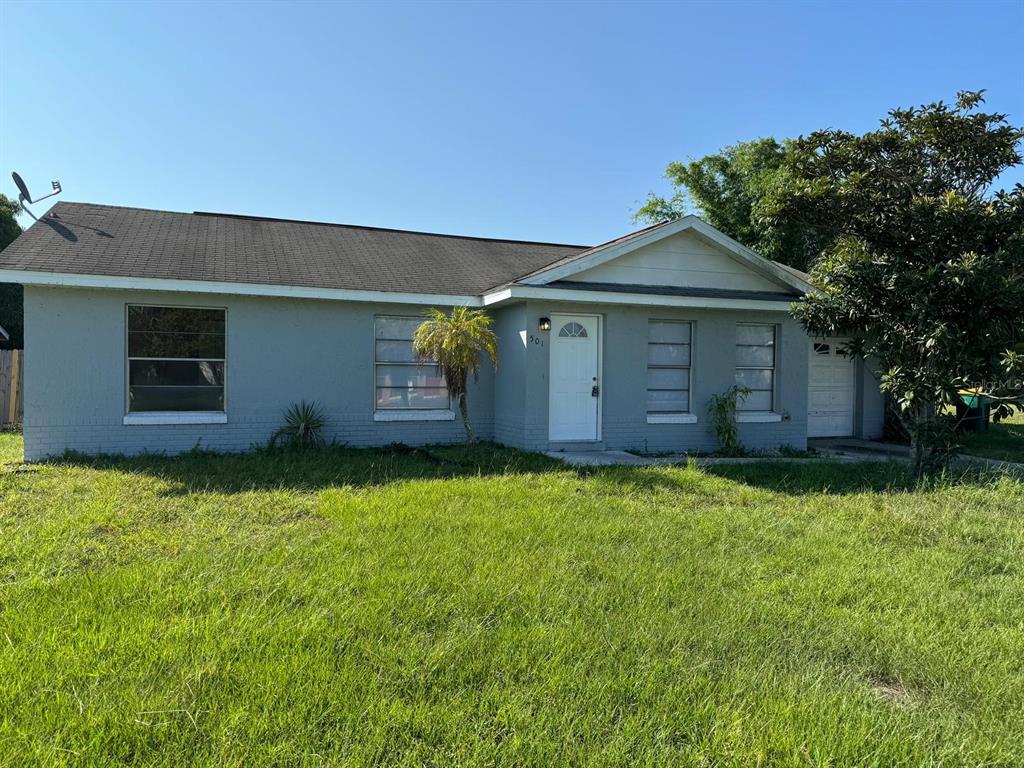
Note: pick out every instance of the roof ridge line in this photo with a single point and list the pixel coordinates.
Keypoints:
(212, 214)
(248, 217)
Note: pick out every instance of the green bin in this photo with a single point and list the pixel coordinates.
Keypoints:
(972, 412)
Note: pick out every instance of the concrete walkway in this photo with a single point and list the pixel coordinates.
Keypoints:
(626, 459)
(841, 450)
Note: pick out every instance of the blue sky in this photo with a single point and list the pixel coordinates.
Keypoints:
(532, 121)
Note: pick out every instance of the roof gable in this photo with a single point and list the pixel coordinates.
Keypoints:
(685, 253)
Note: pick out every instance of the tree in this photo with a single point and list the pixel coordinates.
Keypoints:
(727, 189)
(926, 264)
(455, 342)
(11, 301)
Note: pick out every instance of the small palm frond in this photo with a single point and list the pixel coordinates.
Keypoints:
(456, 341)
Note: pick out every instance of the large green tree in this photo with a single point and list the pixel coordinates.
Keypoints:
(11, 301)
(926, 263)
(727, 190)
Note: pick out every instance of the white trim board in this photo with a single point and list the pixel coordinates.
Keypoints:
(569, 295)
(412, 414)
(140, 418)
(63, 279)
(492, 298)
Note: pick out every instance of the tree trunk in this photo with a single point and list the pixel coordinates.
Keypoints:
(464, 410)
(922, 440)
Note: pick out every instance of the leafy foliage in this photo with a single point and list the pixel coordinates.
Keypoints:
(456, 341)
(925, 268)
(303, 426)
(722, 410)
(11, 294)
(727, 190)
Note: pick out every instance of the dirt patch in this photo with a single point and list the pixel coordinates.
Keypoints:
(890, 689)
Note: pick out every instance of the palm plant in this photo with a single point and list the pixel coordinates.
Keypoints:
(455, 343)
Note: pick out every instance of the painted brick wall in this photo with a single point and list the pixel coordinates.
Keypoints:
(279, 351)
(283, 350)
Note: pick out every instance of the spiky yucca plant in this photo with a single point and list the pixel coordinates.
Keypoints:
(303, 426)
(456, 342)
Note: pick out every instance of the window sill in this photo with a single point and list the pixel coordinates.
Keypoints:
(414, 415)
(757, 417)
(175, 417)
(672, 418)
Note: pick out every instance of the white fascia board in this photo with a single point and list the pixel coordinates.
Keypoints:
(235, 289)
(737, 250)
(517, 292)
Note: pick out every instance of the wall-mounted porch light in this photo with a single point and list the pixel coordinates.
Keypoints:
(545, 324)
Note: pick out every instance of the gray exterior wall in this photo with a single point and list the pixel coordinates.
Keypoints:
(279, 351)
(283, 350)
(624, 378)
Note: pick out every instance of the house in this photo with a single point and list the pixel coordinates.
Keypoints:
(158, 331)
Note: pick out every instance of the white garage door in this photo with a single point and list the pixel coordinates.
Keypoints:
(830, 390)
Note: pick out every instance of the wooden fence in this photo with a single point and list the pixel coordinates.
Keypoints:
(12, 386)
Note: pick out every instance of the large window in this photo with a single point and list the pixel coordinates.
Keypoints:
(175, 359)
(668, 367)
(403, 382)
(755, 366)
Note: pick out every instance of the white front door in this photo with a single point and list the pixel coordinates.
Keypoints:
(830, 390)
(574, 402)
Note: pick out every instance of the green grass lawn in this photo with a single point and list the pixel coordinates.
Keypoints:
(1003, 441)
(490, 607)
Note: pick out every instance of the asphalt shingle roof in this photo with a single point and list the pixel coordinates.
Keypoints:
(87, 239)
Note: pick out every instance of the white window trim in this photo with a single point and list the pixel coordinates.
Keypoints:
(414, 415)
(173, 417)
(140, 418)
(404, 414)
(757, 417)
(671, 418)
(654, 417)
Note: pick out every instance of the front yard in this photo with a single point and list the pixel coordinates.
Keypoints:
(490, 607)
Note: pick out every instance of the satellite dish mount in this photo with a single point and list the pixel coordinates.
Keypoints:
(24, 196)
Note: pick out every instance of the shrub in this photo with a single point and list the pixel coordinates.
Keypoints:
(722, 410)
(303, 426)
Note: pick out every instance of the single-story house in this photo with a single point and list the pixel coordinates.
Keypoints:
(153, 331)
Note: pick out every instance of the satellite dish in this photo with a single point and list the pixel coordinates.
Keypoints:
(24, 196)
(23, 193)
(22, 189)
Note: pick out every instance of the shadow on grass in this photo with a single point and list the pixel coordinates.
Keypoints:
(296, 470)
(799, 479)
(311, 470)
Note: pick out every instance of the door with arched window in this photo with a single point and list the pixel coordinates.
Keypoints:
(575, 386)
